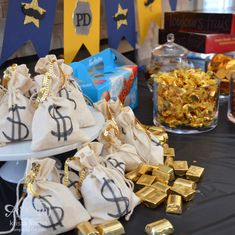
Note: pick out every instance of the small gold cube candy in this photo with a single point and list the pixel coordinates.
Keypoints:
(168, 170)
(155, 198)
(161, 187)
(162, 137)
(160, 227)
(194, 173)
(132, 175)
(163, 173)
(161, 176)
(144, 169)
(174, 204)
(169, 161)
(186, 192)
(142, 193)
(86, 228)
(186, 183)
(180, 167)
(111, 228)
(169, 152)
(145, 180)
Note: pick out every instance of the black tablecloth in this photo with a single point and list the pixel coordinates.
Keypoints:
(213, 209)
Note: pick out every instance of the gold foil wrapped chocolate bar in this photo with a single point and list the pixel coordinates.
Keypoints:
(159, 132)
(185, 183)
(133, 175)
(145, 180)
(163, 174)
(111, 228)
(174, 204)
(180, 167)
(151, 196)
(160, 227)
(155, 198)
(194, 173)
(86, 228)
(186, 100)
(165, 188)
(186, 192)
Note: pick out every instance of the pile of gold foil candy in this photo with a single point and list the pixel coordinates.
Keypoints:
(186, 98)
(222, 66)
(172, 183)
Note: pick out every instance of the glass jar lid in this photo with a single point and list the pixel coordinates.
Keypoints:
(170, 49)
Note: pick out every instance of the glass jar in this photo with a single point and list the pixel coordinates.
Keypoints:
(222, 66)
(167, 57)
(186, 101)
(231, 101)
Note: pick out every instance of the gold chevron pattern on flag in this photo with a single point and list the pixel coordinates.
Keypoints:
(148, 11)
(81, 26)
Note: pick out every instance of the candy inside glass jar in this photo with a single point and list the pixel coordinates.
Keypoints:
(231, 101)
(186, 101)
(222, 66)
(165, 58)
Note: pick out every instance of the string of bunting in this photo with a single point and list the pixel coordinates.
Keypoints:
(34, 19)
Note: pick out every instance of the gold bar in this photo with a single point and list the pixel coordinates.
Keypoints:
(161, 187)
(144, 169)
(160, 227)
(86, 228)
(180, 167)
(174, 204)
(194, 173)
(169, 161)
(186, 192)
(155, 198)
(186, 183)
(142, 193)
(145, 180)
(169, 152)
(165, 146)
(163, 173)
(162, 137)
(132, 175)
(167, 170)
(111, 228)
(161, 176)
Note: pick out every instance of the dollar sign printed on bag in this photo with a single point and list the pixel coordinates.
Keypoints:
(55, 214)
(62, 128)
(66, 92)
(121, 202)
(72, 184)
(120, 166)
(20, 133)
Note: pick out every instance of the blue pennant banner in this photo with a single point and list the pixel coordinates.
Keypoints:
(120, 17)
(173, 4)
(28, 20)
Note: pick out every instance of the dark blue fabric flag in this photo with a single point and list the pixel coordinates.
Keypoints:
(28, 20)
(120, 17)
(173, 4)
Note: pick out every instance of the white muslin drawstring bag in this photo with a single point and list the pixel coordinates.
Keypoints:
(110, 109)
(135, 135)
(116, 151)
(16, 111)
(68, 88)
(60, 125)
(107, 195)
(49, 207)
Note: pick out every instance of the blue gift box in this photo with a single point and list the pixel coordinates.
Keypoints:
(108, 74)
